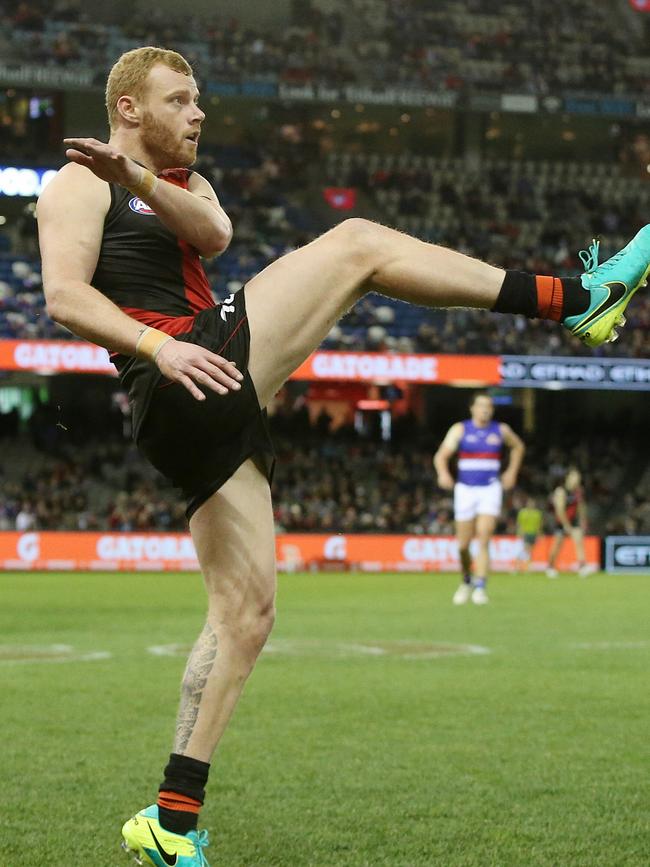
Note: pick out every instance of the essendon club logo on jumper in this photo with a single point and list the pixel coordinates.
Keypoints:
(140, 207)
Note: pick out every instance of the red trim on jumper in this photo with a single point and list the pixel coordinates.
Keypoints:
(169, 324)
(195, 281)
(550, 297)
(495, 455)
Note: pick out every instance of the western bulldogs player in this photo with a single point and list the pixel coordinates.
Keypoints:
(478, 490)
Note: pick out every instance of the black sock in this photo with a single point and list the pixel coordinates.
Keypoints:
(540, 297)
(181, 794)
(576, 297)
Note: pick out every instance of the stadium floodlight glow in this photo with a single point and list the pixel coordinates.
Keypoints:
(24, 182)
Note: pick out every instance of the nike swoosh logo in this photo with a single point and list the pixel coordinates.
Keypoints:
(616, 291)
(167, 858)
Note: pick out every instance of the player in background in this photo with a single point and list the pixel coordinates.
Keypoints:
(570, 512)
(478, 491)
(122, 229)
(529, 525)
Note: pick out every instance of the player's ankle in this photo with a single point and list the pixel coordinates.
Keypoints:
(182, 793)
(541, 297)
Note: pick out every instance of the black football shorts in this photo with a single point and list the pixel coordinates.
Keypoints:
(198, 445)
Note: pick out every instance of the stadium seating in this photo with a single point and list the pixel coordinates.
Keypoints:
(555, 46)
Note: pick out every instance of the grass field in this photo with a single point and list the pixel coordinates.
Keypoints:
(363, 737)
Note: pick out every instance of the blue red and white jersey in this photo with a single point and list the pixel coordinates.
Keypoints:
(479, 454)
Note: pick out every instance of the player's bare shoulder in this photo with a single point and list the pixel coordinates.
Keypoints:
(455, 434)
(73, 183)
(71, 212)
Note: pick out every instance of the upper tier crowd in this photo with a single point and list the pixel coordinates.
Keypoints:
(541, 46)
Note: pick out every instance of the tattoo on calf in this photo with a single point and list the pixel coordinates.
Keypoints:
(197, 672)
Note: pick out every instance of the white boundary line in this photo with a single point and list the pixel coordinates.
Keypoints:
(49, 653)
(337, 649)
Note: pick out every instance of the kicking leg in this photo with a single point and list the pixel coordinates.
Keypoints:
(295, 301)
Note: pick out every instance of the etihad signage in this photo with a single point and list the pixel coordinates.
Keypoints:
(295, 552)
(544, 371)
(627, 554)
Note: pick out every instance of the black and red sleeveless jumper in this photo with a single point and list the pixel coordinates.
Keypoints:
(148, 272)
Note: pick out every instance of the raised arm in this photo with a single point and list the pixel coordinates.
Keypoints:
(71, 214)
(517, 450)
(194, 215)
(448, 447)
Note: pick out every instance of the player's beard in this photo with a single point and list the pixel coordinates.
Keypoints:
(164, 145)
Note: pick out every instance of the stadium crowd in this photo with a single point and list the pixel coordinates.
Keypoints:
(325, 481)
(542, 46)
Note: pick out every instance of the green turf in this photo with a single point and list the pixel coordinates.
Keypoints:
(536, 754)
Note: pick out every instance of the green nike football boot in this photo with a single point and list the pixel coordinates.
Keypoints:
(149, 843)
(611, 286)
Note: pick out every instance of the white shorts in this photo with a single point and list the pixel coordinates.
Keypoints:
(473, 500)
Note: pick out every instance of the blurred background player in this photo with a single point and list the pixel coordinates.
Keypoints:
(570, 511)
(529, 526)
(478, 491)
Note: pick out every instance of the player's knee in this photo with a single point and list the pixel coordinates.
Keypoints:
(249, 628)
(361, 240)
(260, 624)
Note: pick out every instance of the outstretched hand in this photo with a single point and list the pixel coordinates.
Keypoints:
(104, 160)
(193, 366)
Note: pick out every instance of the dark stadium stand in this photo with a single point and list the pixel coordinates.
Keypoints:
(366, 486)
